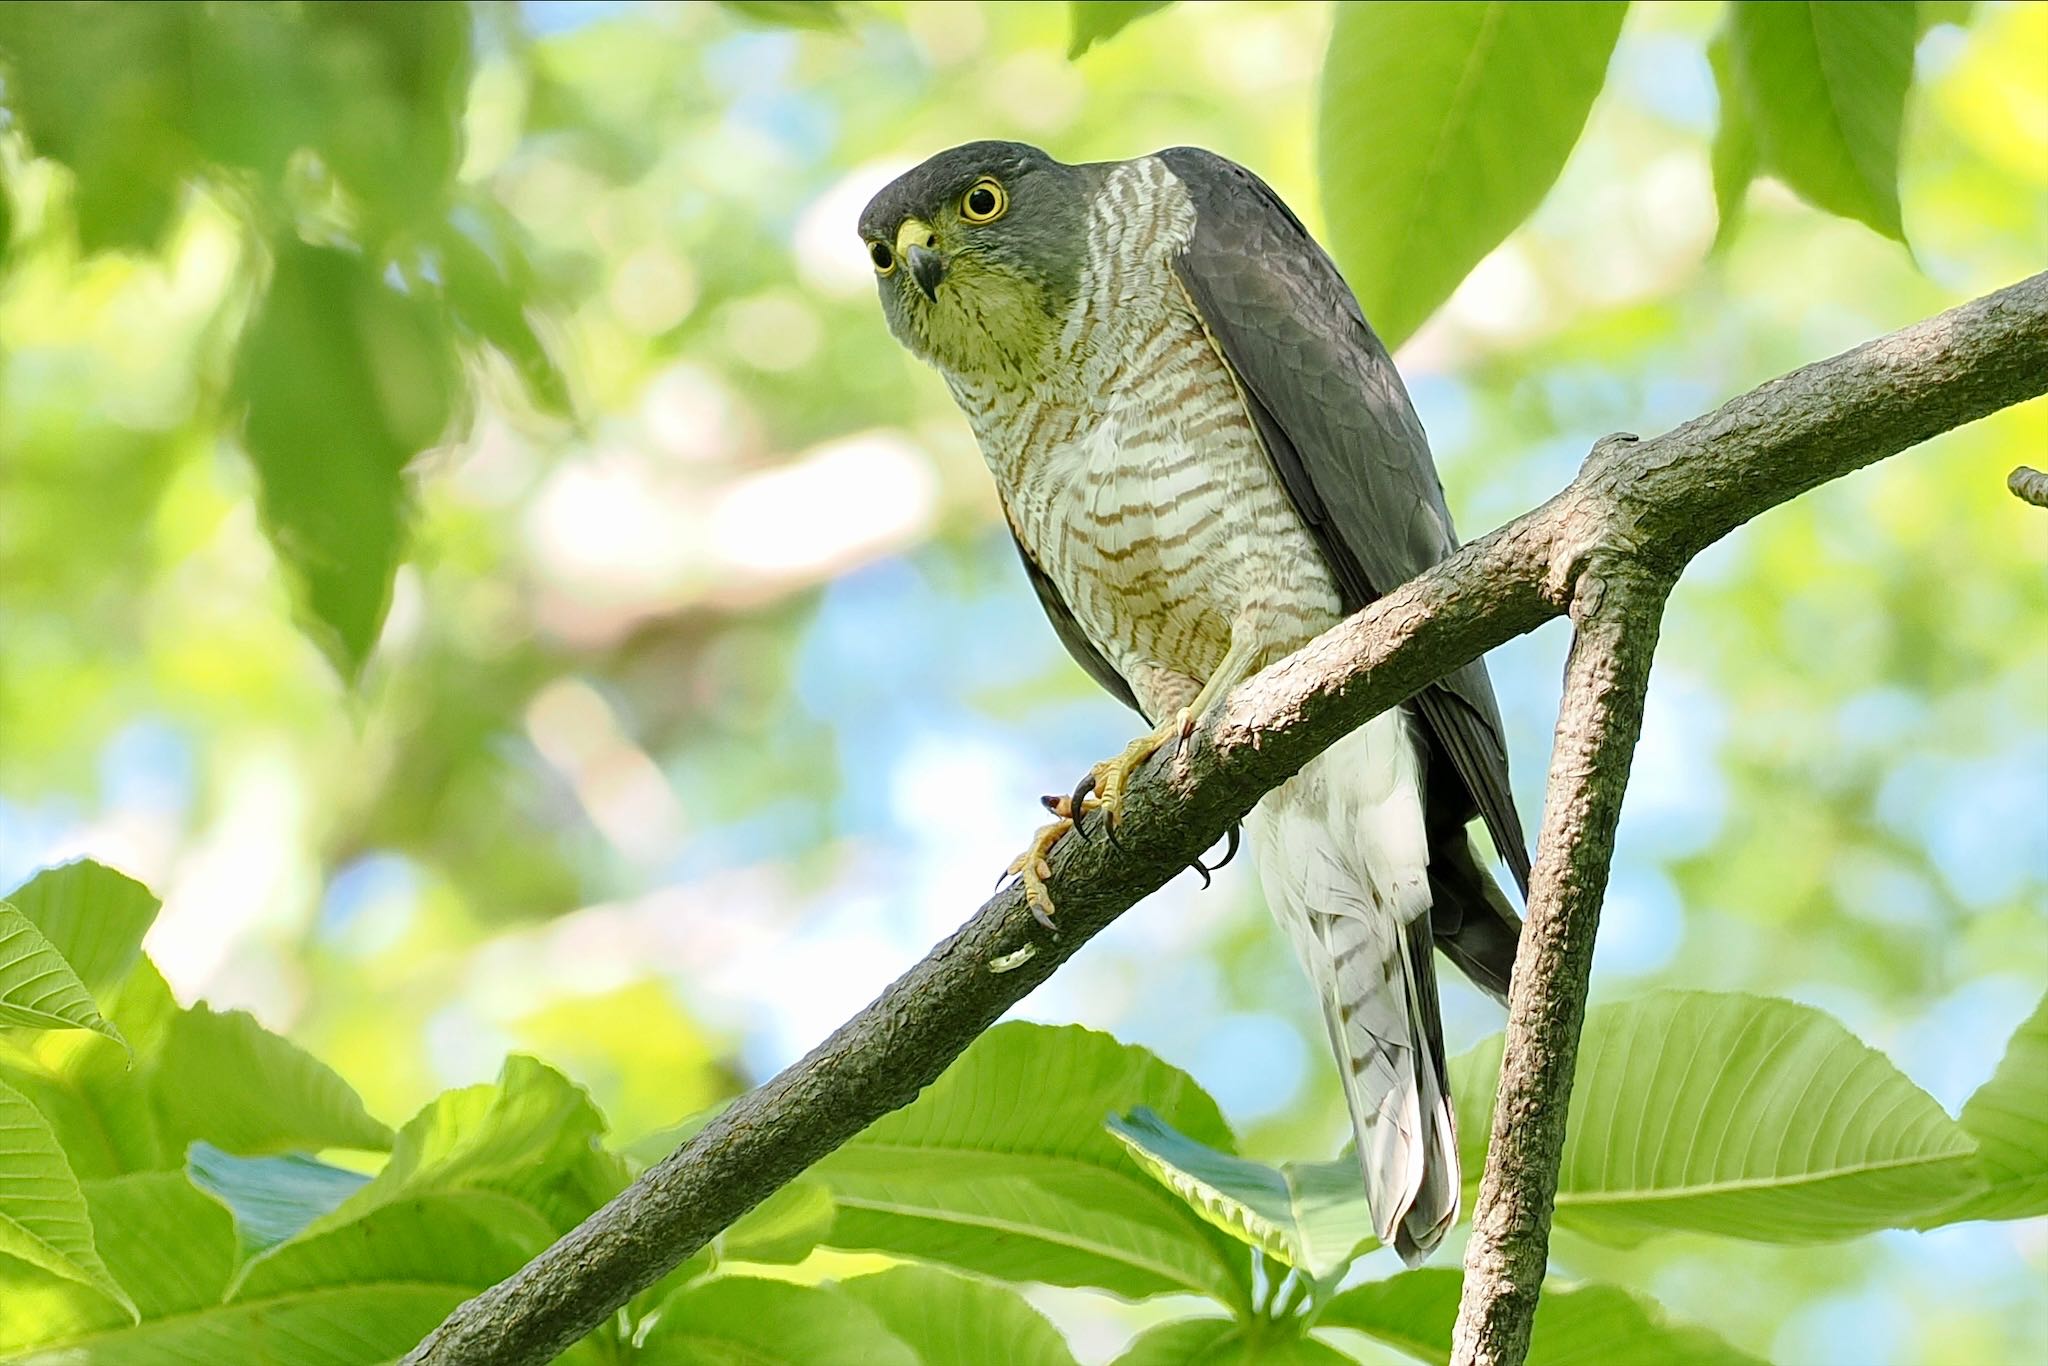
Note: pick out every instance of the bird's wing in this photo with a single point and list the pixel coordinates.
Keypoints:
(1336, 420)
(1070, 633)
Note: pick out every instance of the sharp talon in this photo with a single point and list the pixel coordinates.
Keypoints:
(1229, 848)
(1203, 869)
(1081, 790)
(1043, 919)
(1056, 804)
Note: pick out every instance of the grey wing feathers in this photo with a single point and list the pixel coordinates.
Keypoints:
(1341, 431)
(1072, 636)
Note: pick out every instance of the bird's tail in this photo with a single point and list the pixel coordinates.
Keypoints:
(1381, 1008)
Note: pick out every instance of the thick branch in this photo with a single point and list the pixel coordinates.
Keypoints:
(1650, 505)
(1616, 610)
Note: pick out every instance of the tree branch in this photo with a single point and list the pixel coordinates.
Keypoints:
(2029, 485)
(1638, 511)
(1616, 610)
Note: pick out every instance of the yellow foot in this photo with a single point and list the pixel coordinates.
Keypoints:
(1108, 780)
(1032, 867)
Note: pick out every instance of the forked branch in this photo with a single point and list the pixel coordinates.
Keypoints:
(1636, 514)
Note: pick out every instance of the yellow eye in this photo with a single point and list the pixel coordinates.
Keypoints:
(985, 202)
(883, 257)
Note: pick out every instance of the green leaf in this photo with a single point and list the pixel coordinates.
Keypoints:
(822, 16)
(1581, 1326)
(38, 989)
(1931, 13)
(1223, 1342)
(345, 379)
(1003, 1167)
(486, 280)
(92, 915)
(742, 1321)
(1442, 126)
(1825, 85)
(1735, 156)
(226, 1079)
(1737, 1115)
(946, 1317)
(1310, 1215)
(784, 1227)
(532, 1135)
(93, 1093)
(359, 1294)
(43, 1218)
(2008, 1116)
(272, 1198)
(1096, 21)
(168, 1245)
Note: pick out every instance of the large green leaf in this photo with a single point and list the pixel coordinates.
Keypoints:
(1737, 1115)
(1096, 21)
(224, 1078)
(2008, 1116)
(94, 1095)
(1224, 1342)
(38, 989)
(1004, 1167)
(532, 1135)
(168, 1245)
(945, 1317)
(43, 1218)
(1311, 1215)
(1825, 88)
(1442, 126)
(1583, 1326)
(345, 379)
(364, 1293)
(92, 915)
(272, 1198)
(743, 1321)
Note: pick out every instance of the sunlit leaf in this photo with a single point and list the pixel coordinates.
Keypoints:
(92, 915)
(38, 989)
(784, 1227)
(1442, 126)
(487, 282)
(93, 1093)
(2008, 1116)
(1736, 1115)
(167, 1244)
(1575, 1326)
(1311, 1215)
(1825, 86)
(947, 1317)
(1096, 21)
(1003, 1167)
(823, 16)
(272, 1198)
(742, 1321)
(43, 1219)
(532, 1135)
(345, 379)
(226, 1079)
(1735, 157)
(1222, 1342)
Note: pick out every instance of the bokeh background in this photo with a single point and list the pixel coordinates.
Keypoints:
(704, 706)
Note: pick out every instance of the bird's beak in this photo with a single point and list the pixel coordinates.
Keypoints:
(916, 245)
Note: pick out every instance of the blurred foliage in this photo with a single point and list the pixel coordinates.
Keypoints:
(467, 539)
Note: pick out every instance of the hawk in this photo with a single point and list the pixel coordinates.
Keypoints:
(1207, 458)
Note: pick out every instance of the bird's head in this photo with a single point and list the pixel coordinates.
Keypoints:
(977, 255)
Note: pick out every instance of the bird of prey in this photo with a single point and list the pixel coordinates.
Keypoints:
(1207, 458)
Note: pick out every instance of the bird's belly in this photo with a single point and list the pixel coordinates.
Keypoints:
(1159, 547)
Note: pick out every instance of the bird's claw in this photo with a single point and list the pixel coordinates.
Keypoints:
(1229, 853)
(1033, 869)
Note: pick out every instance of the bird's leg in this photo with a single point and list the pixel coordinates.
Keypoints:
(1108, 780)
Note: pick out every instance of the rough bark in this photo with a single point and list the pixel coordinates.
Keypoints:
(1616, 610)
(1638, 511)
(2029, 485)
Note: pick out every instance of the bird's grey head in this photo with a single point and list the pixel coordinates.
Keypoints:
(977, 255)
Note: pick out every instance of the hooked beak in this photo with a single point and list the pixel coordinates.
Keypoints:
(916, 245)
